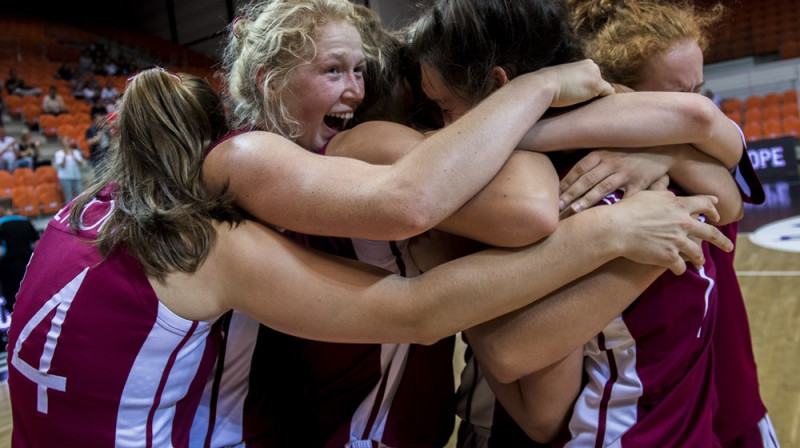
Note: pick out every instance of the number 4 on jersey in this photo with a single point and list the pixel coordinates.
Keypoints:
(61, 302)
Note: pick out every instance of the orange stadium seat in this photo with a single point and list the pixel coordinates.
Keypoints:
(735, 115)
(771, 99)
(6, 184)
(771, 112)
(753, 114)
(791, 126)
(772, 129)
(46, 174)
(732, 104)
(69, 130)
(23, 197)
(789, 96)
(31, 114)
(48, 125)
(753, 131)
(790, 110)
(14, 104)
(753, 101)
(49, 197)
(25, 176)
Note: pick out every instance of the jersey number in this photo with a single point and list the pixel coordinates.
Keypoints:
(61, 302)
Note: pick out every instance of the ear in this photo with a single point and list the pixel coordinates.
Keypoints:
(498, 76)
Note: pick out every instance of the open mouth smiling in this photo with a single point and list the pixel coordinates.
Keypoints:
(338, 122)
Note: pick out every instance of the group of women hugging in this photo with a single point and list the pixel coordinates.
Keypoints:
(288, 265)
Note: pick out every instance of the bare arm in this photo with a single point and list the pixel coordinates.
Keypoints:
(280, 183)
(641, 119)
(518, 207)
(312, 295)
(534, 337)
(697, 173)
(632, 170)
(541, 402)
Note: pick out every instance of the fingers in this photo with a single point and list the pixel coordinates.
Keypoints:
(711, 234)
(678, 267)
(606, 88)
(701, 205)
(585, 165)
(660, 185)
(593, 196)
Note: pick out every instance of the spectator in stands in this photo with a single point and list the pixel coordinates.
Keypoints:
(18, 237)
(97, 137)
(109, 94)
(88, 87)
(8, 150)
(15, 85)
(28, 150)
(65, 72)
(53, 103)
(68, 161)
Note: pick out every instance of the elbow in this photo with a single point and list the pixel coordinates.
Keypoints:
(530, 223)
(714, 126)
(500, 361)
(544, 428)
(411, 215)
(731, 214)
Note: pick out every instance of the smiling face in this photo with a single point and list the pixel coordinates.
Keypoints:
(323, 94)
(679, 69)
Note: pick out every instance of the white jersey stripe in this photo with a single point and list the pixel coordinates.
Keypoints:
(170, 333)
(768, 437)
(607, 406)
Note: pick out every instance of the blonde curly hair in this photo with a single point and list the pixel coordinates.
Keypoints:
(277, 35)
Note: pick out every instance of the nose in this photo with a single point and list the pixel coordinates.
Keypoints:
(354, 87)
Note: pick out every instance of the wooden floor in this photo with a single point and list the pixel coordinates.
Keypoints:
(770, 281)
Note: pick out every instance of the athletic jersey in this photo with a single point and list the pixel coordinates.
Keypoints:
(95, 359)
(412, 403)
(740, 413)
(270, 389)
(650, 371)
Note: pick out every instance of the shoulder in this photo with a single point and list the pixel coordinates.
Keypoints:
(377, 142)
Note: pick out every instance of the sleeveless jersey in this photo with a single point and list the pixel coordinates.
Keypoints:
(277, 390)
(740, 412)
(650, 372)
(95, 359)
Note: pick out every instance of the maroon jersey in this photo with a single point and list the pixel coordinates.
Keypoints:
(95, 359)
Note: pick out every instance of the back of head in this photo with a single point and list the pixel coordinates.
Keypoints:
(465, 39)
(384, 96)
(268, 39)
(160, 131)
(622, 35)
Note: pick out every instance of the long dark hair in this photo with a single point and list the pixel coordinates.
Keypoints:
(465, 39)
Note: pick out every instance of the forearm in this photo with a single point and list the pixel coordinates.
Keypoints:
(698, 173)
(525, 341)
(452, 165)
(517, 208)
(345, 301)
(640, 119)
(541, 403)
